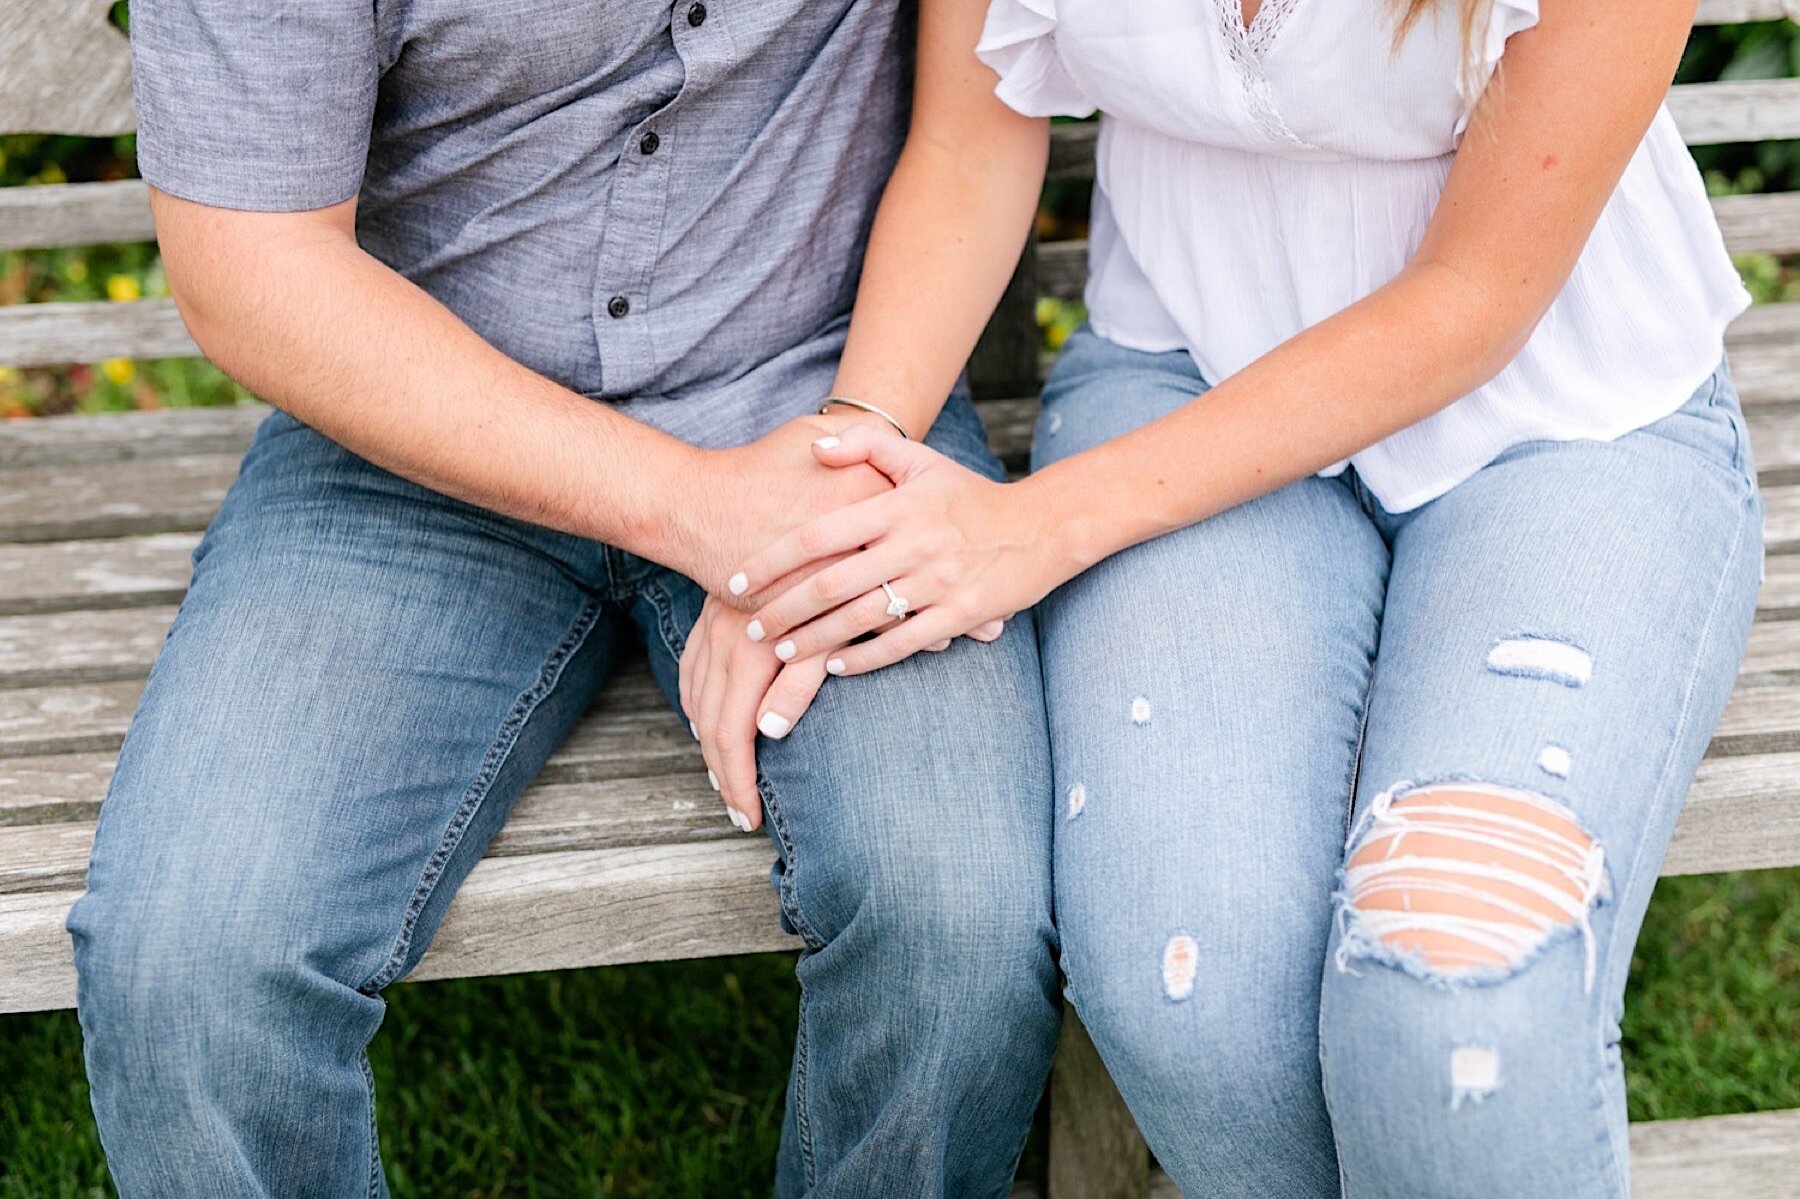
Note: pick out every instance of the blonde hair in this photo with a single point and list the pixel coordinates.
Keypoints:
(1473, 14)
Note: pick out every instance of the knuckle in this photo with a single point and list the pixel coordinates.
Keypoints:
(810, 539)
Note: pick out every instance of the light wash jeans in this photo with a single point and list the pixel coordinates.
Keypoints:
(363, 678)
(1232, 704)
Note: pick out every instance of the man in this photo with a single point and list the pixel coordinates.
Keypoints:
(548, 293)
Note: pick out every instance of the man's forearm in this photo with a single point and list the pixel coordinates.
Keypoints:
(324, 331)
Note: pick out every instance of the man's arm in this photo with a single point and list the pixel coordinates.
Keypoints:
(289, 305)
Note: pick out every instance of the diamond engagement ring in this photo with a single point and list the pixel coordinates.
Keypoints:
(897, 605)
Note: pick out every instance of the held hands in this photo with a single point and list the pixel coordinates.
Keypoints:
(963, 552)
(738, 679)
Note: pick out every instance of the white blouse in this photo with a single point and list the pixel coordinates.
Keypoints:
(1252, 182)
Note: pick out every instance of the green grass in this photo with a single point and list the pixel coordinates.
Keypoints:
(666, 1080)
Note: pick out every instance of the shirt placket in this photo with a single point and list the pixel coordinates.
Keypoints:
(624, 313)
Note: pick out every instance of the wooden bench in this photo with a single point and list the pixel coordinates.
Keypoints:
(620, 851)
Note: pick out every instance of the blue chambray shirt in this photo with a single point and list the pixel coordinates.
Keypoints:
(662, 205)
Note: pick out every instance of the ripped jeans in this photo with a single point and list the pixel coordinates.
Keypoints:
(1359, 812)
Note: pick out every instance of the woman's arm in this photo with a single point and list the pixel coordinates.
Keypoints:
(945, 239)
(1545, 150)
(949, 229)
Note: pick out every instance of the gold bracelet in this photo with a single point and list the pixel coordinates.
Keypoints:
(864, 406)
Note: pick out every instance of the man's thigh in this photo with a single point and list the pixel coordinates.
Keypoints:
(363, 676)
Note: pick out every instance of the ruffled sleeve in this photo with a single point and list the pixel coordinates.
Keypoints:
(1505, 18)
(1019, 43)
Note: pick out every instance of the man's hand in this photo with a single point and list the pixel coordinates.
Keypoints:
(752, 495)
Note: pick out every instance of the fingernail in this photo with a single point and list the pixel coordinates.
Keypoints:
(773, 725)
(754, 630)
(785, 651)
(694, 729)
(738, 583)
(739, 819)
(835, 666)
(713, 779)
(828, 443)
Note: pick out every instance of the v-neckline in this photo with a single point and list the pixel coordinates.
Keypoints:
(1252, 39)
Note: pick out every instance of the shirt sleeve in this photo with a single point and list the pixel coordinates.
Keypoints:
(1018, 41)
(263, 106)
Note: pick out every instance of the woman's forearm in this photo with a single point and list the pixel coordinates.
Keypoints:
(949, 229)
(945, 241)
(1405, 352)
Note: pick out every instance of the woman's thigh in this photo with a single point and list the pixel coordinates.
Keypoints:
(1561, 634)
(1206, 694)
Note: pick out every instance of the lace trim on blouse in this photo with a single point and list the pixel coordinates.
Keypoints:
(1246, 47)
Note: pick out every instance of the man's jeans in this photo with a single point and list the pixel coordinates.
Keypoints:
(363, 678)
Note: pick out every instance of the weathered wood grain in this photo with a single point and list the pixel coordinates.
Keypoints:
(1751, 1156)
(1096, 1151)
(553, 911)
(1769, 223)
(1004, 362)
(133, 496)
(118, 572)
(1732, 12)
(67, 69)
(75, 214)
(53, 334)
(1737, 111)
(119, 436)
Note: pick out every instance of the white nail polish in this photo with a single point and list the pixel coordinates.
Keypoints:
(754, 630)
(828, 443)
(738, 583)
(773, 725)
(713, 779)
(785, 651)
(834, 666)
(739, 819)
(694, 729)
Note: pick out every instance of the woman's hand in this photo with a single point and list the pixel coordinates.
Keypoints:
(965, 553)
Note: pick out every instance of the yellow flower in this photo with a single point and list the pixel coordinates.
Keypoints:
(119, 370)
(9, 374)
(52, 174)
(122, 289)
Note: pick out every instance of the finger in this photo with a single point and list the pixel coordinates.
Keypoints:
(843, 625)
(830, 588)
(734, 740)
(684, 669)
(789, 696)
(839, 532)
(988, 632)
(900, 642)
(695, 658)
(938, 647)
(876, 443)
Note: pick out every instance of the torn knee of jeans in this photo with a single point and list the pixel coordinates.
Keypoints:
(1461, 881)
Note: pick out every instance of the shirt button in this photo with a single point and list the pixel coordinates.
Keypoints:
(696, 15)
(648, 143)
(617, 307)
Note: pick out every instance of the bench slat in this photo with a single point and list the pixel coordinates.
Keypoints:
(1733, 12)
(75, 214)
(68, 70)
(1742, 813)
(53, 334)
(554, 911)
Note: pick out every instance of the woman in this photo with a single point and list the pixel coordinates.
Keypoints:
(1400, 538)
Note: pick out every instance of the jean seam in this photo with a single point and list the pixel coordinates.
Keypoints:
(809, 1167)
(374, 1134)
(1620, 1171)
(492, 762)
